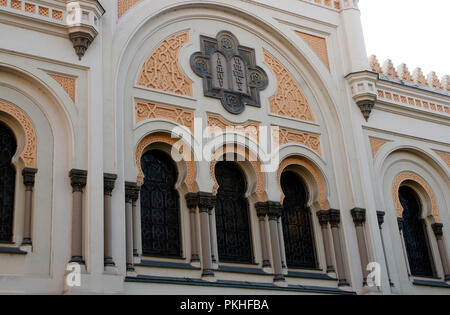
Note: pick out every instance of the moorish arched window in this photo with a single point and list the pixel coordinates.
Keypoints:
(160, 206)
(8, 147)
(232, 215)
(415, 234)
(297, 223)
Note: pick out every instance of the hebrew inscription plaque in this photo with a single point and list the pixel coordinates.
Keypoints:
(229, 72)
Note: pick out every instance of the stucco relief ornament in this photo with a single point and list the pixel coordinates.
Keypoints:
(229, 72)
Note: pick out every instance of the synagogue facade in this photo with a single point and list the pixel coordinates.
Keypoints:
(216, 147)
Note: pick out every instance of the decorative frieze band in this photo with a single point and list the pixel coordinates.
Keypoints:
(414, 102)
(147, 110)
(307, 139)
(35, 9)
(218, 123)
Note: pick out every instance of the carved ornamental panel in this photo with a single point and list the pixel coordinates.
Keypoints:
(229, 72)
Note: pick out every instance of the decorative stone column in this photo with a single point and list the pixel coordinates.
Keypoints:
(29, 175)
(380, 216)
(134, 200)
(335, 221)
(109, 181)
(324, 218)
(274, 211)
(192, 204)
(205, 203)
(130, 191)
(78, 182)
(359, 218)
(262, 211)
(438, 231)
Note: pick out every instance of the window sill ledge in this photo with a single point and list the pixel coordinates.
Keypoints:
(12, 251)
(431, 283)
(165, 264)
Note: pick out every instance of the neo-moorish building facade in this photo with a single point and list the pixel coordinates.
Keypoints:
(116, 116)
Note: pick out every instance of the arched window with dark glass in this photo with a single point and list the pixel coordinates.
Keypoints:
(415, 234)
(297, 223)
(8, 147)
(160, 206)
(232, 215)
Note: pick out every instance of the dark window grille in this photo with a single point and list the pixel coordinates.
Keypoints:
(297, 224)
(160, 206)
(8, 147)
(232, 215)
(415, 234)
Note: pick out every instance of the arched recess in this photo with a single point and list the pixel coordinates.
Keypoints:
(250, 165)
(28, 153)
(43, 122)
(408, 177)
(315, 181)
(137, 27)
(187, 170)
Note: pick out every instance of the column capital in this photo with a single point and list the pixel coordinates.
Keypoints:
(359, 216)
(191, 200)
(109, 182)
(262, 209)
(380, 217)
(130, 192)
(438, 229)
(324, 218)
(29, 175)
(78, 179)
(274, 210)
(206, 201)
(335, 217)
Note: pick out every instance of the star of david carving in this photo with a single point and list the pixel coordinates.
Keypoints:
(229, 72)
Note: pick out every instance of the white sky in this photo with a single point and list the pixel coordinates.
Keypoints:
(415, 32)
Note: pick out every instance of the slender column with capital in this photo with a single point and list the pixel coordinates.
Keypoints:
(438, 231)
(78, 182)
(324, 218)
(192, 204)
(335, 221)
(205, 204)
(274, 212)
(261, 211)
(380, 216)
(130, 191)
(359, 218)
(134, 200)
(29, 175)
(109, 181)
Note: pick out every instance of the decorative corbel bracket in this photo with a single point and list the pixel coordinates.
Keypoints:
(364, 90)
(83, 23)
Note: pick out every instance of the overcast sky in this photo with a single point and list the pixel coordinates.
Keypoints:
(415, 32)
